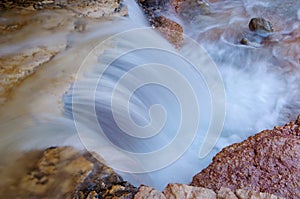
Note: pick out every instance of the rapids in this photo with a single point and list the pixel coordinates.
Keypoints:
(124, 77)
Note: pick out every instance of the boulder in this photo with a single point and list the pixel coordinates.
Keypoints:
(267, 162)
(145, 192)
(171, 30)
(261, 26)
(176, 191)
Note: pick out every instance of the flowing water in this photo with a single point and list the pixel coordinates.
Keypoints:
(148, 114)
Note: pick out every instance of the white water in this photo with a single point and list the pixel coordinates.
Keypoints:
(260, 93)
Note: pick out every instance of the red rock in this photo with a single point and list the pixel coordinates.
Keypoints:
(171, 30)
(267, 162)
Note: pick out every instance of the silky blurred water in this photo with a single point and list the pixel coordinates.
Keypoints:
(261, 84)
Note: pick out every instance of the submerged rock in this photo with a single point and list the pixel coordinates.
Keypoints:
(190, 9)
(261, 26)
(261, 30)
(26, 23)
(153, 4)
(267, 162)
(16, 67)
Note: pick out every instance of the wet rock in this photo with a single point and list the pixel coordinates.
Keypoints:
(26, 23)
(153, 4)
(98, 8)
(64, 172)
(171, 30)
(14, 68)
(189, 9)
(11, 27)
(92, 9)
(79, 25)
(261, 26)
(267, 162)
(261, 31)
(288, 49)
(244, 41)
(256, 42)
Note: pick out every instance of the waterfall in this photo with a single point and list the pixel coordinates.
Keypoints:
(156, 114)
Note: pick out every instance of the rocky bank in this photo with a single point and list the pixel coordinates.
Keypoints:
(263, 166)
(29, 21)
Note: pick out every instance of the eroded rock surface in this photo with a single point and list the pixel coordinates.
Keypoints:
(14, 68)
(33, 32)
(94, 8)
(181, 191)
(64, 172)
(145, 192)
(170, 29)
(174, 191)
(267, 162)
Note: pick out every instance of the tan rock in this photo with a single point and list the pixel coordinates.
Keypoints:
(189, 8)
(92, 195)
(15, 68)
(226, 193)
(25, 23)
(178, 191)
(181, 191)
(98, 8)
(145, 192)
(63, 172)
(244, 194)
(88, 8)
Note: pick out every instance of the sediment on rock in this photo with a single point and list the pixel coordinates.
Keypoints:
(93, 9)
(25, 24)
(17, 67)
(267, 162)
(64, 172)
